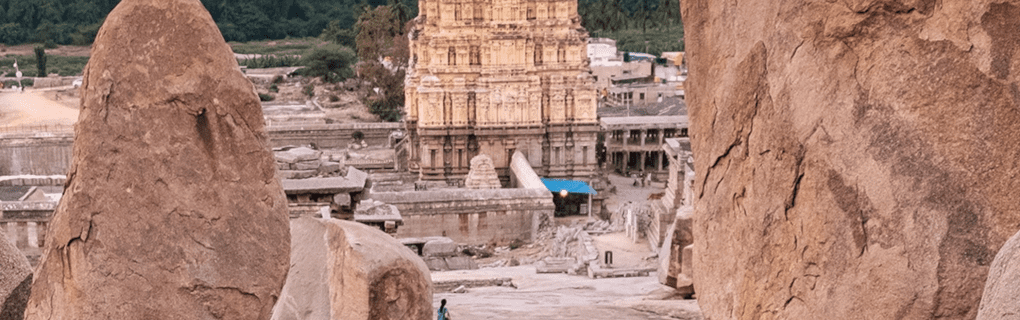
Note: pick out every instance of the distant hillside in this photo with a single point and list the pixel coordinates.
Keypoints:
(77, 21)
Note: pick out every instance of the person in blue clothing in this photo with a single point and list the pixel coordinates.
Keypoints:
(442, 313)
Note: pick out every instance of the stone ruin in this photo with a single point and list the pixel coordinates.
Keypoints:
(15, 280)
(304, 162)
(483, 174)
(348, 270)
(172, 208)
(854, 159)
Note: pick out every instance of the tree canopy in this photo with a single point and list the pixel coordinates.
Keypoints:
(77, 21)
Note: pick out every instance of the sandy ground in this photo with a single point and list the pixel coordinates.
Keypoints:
(33, 108)
(559, 297)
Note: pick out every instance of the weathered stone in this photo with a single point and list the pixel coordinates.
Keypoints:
(460, 263)
(679, 236)
(440, 247)
(297, 174)
(482, 175)
(172, 209)
(1001, 297)
(329, 167)
(854, 159)
(15, 280)
(307, 165)
(284, 166)
(346, 270)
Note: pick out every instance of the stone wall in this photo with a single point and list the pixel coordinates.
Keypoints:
(47, 153)
(470, 216)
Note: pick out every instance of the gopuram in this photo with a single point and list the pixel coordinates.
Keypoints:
(497, 76)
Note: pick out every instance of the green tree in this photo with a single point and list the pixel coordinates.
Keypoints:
(339, 35)
(40, 58)
(383, 54)
(332, 62)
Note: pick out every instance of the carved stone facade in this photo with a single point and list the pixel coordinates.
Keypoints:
(497, 76)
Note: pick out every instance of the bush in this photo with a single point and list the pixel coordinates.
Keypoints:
(309, 90)
(266, 97)
(358, 135)
(274, 88)
(333, 98)
(277, 79)
(332, 62)
(40, 58)
(50, 44)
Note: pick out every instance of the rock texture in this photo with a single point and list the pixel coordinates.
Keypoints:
(15, 280)
(483, 174)
(855, 159)
(347, 270)
(1001, 298)
(171, 209)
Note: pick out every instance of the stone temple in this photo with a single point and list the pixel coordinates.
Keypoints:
(497, 76)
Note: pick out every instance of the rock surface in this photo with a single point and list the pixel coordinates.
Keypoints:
(671, 253)
(15, 280)
(1001, 297)
(855, 159)
(347, 270)
(483, 174)
(172, 209)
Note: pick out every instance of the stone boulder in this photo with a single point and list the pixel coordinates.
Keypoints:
(678, 236)
(483, 174)
(15, 280)
(1001, 297)
(855, 159)
(171, 209)
(347, 270)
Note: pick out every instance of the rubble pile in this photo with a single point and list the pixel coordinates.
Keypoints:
(304, 162)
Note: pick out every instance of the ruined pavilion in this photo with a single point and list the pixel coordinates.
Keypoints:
(497, 76)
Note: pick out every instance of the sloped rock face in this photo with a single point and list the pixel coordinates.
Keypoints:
(347, 270)
(15, 280)
(171, 209)
(855, 160)
(1001, 298)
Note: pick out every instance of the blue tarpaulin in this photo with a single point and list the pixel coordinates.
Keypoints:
(572, 186)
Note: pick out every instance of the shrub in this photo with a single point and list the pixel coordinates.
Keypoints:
(266, 97)
(332, 62)
(50, 44)
(274, 88)
(309, 90)
(357, 135)
(40, 58)
(333, 98)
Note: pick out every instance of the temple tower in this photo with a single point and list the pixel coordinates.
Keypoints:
(497, 76)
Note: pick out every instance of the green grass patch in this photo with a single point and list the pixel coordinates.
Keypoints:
(276, 47)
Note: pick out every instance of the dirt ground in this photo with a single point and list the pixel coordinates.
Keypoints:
(561, 297)
(35, 108)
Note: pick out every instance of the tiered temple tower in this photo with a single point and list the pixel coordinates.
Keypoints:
(498, 76)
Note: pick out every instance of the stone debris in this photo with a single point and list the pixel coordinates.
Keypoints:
(1000, 299)
(15, 280)
(304, 162)
(347, 270)
(460, 289)
(572, 250)
(172, 208)
(483, 174)
(866, 169)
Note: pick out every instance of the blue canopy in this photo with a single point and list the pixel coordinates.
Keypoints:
(572, 186)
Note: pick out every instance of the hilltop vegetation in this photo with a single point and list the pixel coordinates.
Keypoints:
(77, 21)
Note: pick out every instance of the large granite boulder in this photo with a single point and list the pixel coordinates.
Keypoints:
(15, 280)
(1001, 298)
(855, 159)
(172, 209)
(347, 270)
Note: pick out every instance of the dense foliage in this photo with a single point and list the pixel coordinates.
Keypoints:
(651, 26)
(383, 55)
(78, 21)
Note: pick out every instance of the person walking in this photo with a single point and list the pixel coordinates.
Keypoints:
(442, 313)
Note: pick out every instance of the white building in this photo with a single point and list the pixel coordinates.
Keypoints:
(602, 52)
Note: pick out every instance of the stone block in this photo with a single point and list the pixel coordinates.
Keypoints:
(460, 263)
(307, 165)
(284, 166)
(297, 174)
(442, 247)
(347, 270)
(329, 167)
